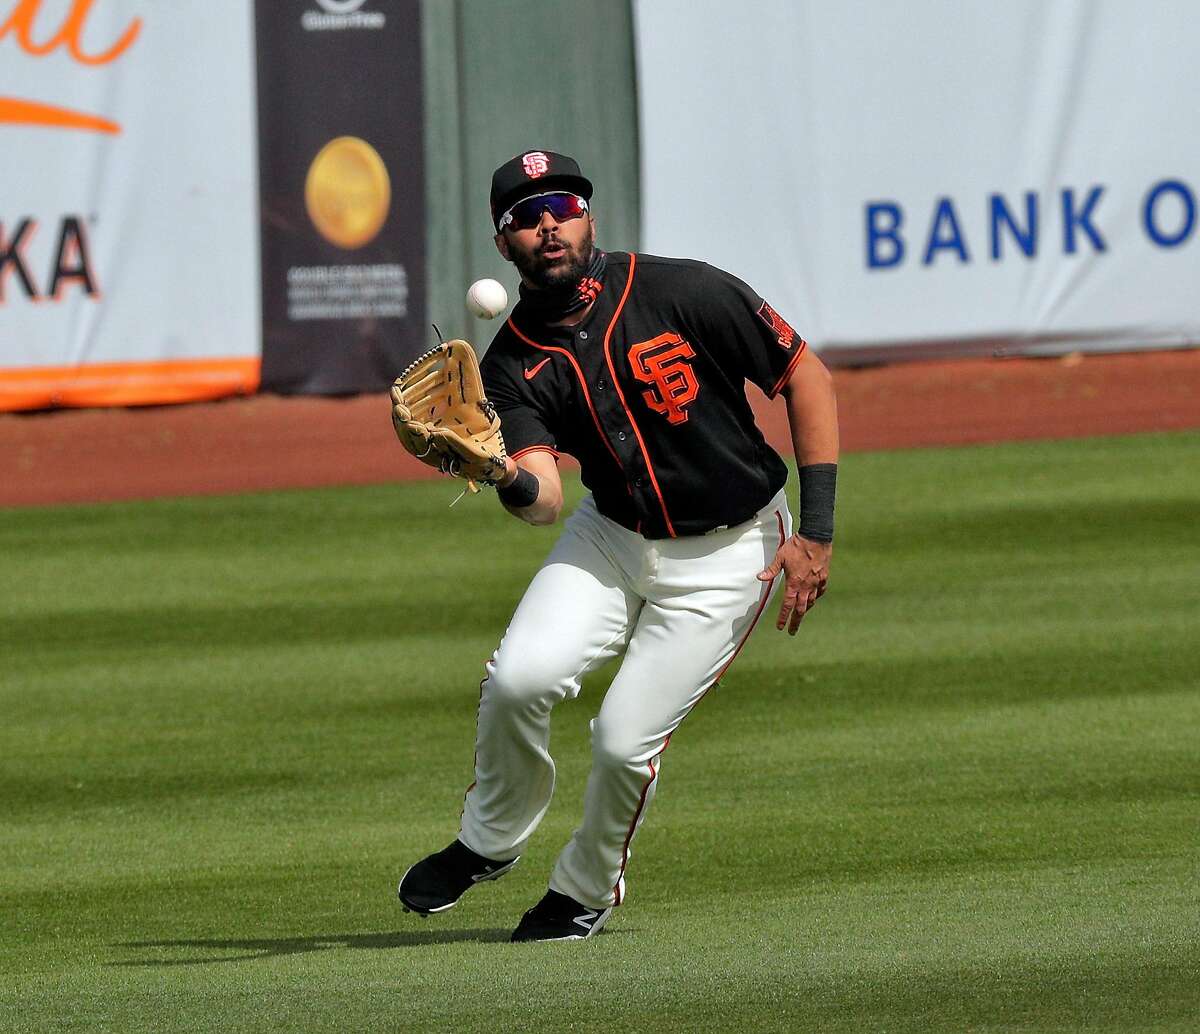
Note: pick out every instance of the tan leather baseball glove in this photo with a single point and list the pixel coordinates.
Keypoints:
(443, 418)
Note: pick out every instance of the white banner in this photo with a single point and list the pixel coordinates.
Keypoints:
(935, 177)
(128, 201)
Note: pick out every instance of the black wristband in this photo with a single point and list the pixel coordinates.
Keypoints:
(818, 485)
(522, 492)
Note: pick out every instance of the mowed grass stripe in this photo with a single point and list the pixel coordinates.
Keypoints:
(964, 798)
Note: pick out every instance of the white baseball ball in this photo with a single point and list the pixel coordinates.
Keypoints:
(487, 299)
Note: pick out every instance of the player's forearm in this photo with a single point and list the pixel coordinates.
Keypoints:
(540, 513)
(812, 412)
(546, 504)
(812, 417)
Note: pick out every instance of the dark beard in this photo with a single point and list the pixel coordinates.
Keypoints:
(552, 304)
(559, 277)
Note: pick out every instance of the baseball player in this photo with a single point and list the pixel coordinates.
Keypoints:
(636, 366)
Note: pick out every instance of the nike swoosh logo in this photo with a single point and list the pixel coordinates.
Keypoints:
(530, 374)
(488, 870)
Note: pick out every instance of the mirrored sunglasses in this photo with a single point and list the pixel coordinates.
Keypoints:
(527, 213)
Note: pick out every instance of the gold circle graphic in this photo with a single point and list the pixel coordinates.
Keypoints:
(347, 192)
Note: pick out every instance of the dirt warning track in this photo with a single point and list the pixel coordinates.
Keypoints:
(267, 442)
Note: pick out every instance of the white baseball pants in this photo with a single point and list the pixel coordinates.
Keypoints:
(680, 609)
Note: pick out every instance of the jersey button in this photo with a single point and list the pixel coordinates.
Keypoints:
(638, 482)
(583, 335)
(621, 436)
(600, 385)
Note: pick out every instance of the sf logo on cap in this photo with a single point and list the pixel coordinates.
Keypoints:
(535, 164)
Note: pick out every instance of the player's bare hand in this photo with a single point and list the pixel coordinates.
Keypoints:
(805, 566)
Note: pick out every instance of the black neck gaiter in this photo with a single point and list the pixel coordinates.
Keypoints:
(556, 303)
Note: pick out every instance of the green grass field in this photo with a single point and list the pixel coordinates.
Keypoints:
(965, 798)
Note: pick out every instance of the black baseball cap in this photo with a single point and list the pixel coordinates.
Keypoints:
(536, 172)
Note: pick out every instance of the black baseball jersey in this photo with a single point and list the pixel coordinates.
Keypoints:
(648, 393)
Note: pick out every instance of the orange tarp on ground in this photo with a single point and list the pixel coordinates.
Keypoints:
(127, 384)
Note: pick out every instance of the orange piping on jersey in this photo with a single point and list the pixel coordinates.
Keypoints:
(791, 367)
(621, 395)
(582, 383)
(514, 456)
(766, 595)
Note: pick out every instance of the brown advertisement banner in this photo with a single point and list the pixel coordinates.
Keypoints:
(341, 180)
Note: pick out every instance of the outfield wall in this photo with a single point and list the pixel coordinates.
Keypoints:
(503, 77)
(207, 197)
(128, 250)
(933, 178)
(900, 180)
(145, 254)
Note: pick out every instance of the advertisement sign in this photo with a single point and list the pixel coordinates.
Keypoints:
(128, 241)
(342, 193)
(932, 178)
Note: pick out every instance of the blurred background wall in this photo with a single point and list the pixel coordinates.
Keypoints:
(506, 76)
(206, 198)
(935, 178)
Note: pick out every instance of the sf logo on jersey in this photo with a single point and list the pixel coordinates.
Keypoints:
(663, 363)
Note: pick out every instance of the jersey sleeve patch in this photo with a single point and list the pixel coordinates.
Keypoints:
(780, 327)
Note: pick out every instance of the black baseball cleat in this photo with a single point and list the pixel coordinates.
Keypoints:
(560, 918)
(436, 883)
